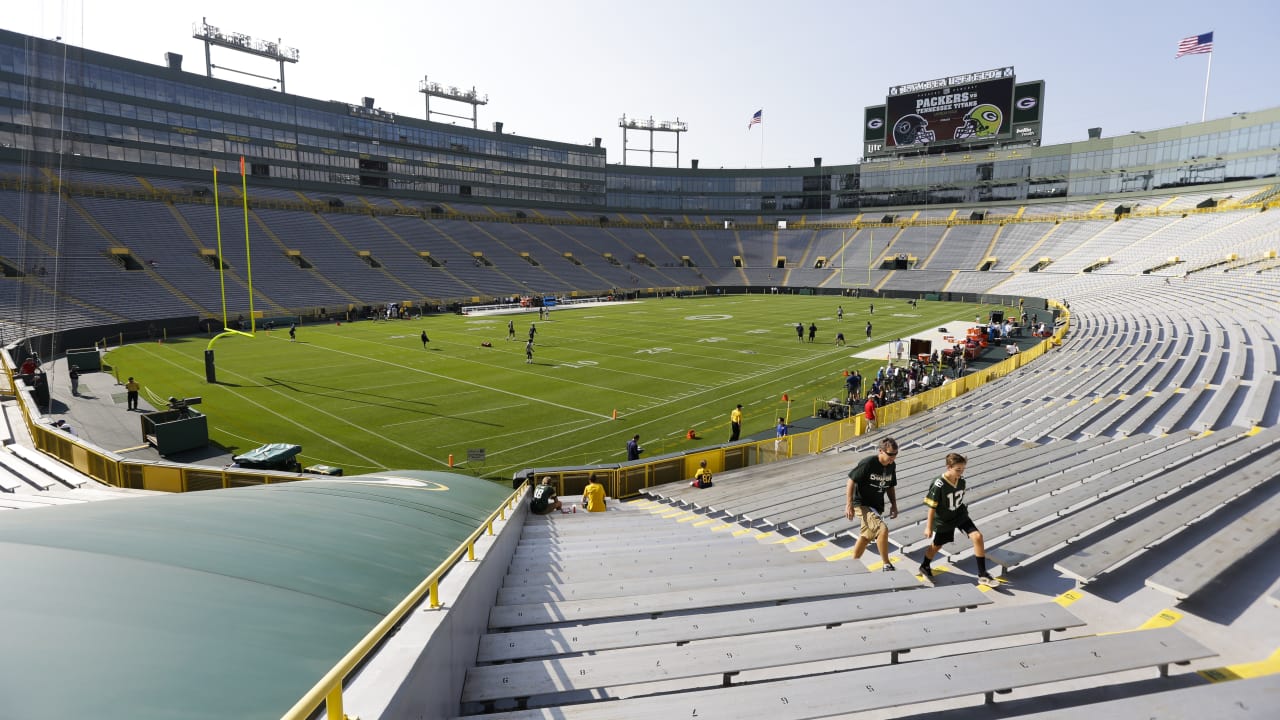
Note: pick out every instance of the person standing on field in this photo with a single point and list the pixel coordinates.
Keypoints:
(528, 352)
(131, 393)
(735, 423)
(425, 340)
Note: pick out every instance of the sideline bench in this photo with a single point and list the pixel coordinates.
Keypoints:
(732, 655)
(889, 686)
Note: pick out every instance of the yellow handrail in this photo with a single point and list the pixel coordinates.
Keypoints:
(329, 689)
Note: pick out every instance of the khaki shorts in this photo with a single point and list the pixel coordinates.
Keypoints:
(871, 523)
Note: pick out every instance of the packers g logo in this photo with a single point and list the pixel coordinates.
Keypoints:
(982, 121)
(875, 123)
(1026, 103)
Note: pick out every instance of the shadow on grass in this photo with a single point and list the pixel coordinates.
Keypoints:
(348, 395)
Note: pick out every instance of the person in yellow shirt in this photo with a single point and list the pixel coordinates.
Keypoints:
(735, 423)
(593, 495)
(702, 478)
(131, 388)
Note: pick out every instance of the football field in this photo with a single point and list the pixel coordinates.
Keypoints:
(367, 396)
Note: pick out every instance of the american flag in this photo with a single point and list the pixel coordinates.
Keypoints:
(755, 119)
(1195, 45)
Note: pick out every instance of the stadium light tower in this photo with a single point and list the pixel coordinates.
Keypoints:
(245, 44)
(469, 97)
(672, 126)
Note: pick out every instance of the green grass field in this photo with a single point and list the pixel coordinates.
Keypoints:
(366, 396)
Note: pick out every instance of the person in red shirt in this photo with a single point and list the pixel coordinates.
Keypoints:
(869, 412)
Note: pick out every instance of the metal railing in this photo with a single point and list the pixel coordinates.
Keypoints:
(328, 691)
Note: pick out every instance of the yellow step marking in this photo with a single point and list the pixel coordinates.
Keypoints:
(840, 556)
(700, 523)
(764, 535)
(1253, 431)
(1270, 666)
(816, 546)
(1069, 597)
(1162, 619)
(724, 526)
(878, 564)
(692, 516)
(674, 514)
(936, 571)
(744, 531)
(786, 541)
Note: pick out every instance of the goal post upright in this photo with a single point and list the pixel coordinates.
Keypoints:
(844, 246)
(210, 370)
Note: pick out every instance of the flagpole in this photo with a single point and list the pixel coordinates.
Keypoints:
(1205, 107)
(761, 140)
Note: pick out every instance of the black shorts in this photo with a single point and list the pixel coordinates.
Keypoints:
(944, 531)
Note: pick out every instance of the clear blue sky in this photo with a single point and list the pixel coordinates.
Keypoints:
(566, 70)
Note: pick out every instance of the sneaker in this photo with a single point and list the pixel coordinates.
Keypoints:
(926, 574)
(888, 567)
(987, 580)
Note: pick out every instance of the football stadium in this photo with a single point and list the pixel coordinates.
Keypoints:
(322, 410)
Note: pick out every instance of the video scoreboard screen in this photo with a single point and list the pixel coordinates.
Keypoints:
(974, 108)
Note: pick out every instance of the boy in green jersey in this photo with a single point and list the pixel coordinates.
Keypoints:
(947, 513)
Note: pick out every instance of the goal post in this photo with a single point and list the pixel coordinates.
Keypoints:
(852, 277)
(210, 369)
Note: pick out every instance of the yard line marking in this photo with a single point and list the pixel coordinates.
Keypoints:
(530, 398)
(288, 420)
(454, 415)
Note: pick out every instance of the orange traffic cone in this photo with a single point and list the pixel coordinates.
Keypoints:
(785, 398)
(846, 373)
(450, 459)
(615, 413)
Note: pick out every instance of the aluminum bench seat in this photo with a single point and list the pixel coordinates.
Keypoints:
(732, 655)
(1249, 699)
(891, 686)
(1170, 519)
(512, 616)
(1194, 570)
(548, 642)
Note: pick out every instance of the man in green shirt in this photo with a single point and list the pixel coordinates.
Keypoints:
(947, 513)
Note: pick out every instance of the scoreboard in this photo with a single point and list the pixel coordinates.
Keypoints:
(975, 108)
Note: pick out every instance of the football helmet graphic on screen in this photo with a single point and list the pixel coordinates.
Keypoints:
(911, 130)
(982, 121)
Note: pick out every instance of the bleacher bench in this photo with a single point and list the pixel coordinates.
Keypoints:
(889, 686)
